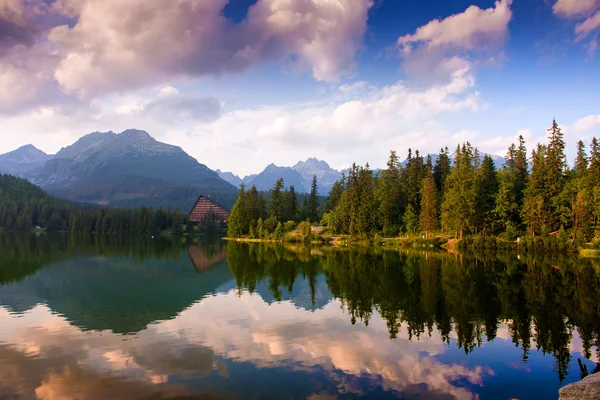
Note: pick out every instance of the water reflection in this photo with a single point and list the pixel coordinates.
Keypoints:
(99, 320)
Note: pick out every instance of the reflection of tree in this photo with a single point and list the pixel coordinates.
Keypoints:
(278, 266)
(23, 254)
(542, 298)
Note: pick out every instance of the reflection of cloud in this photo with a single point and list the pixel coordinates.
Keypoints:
(242, 329)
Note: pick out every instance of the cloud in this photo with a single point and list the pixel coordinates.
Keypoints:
(174, 107)
(115, 45)
(587, 123)
(359, 123)
(17, 26)
(587, 13)
(61, 360)
(583, 29)
(446, 45)
(85, 48)
(575, 8)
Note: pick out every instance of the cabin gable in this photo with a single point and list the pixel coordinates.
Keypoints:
(203, 207)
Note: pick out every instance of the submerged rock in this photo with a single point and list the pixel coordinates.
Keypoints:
(587, 388)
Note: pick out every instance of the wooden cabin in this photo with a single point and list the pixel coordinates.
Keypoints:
(203, 207)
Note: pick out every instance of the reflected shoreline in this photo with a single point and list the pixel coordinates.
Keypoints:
(254, 306)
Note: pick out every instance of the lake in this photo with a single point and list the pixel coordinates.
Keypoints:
(111, 318)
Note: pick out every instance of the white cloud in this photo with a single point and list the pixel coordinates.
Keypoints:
(448, 44)
(358, 122)
(586, 124)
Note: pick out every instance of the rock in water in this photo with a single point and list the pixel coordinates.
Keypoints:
(586, 389)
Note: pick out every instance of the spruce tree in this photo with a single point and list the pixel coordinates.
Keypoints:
(276, 207)
(581, 160)
(486, 189)
(441, 170)
(429, 212)
(313, 201)
(335, 194)
(459, 195)
(389, 194)
(291, 204)
(237, 224)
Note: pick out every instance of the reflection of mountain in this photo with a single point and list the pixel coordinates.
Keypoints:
(118, 294)
(204, 257)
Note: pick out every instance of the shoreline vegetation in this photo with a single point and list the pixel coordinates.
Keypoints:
(535, 202)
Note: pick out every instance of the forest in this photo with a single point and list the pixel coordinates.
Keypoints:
(24, 206)
(460, 194)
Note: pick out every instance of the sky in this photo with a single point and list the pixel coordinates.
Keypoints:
(240, 84)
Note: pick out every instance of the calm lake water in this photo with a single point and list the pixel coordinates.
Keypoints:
(102, 318)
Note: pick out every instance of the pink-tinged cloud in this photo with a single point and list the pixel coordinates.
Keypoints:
(441, 45)
(583, 29)
(117, 45)
(575, 8)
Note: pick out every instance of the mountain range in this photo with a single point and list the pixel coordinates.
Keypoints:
(126, 169)
(132, 168)
(301, 175)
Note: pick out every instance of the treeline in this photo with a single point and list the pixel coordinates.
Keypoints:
(466, 194)
(24, 206)
(262, 215)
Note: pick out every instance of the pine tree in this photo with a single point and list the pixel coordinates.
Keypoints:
(389, 194)
(486, 189)
(429, 213)
(441, 170)
(459, 194)
(313, 201)
(581, 161)
(238, 225)
(536, 211)
(276, 207)
(291, 204)
(252, 204)
(410, 219)
(335, 193)
(506, 208)
(365, 204)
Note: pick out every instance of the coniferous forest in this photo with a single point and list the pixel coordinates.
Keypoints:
(24, 206)
(459, 194)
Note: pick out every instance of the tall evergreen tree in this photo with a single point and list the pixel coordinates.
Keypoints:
(291, 204)
(389, 194)
(441, 169)
(581, 160)
(238, 224)
(276, 207)
(335, 193)
(459, 195)
(429, 212)
(486, 190)
(313, 201)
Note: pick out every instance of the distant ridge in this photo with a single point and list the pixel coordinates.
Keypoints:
(126, 169)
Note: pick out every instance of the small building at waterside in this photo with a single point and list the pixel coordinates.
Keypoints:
(207, 211)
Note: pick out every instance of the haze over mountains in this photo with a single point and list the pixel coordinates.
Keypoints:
(132, 168)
